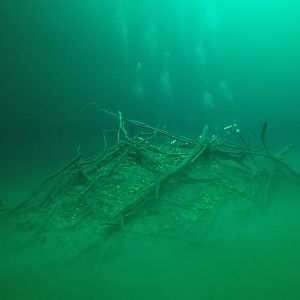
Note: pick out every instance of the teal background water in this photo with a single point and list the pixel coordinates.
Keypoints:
(176, 63)
(56, 57)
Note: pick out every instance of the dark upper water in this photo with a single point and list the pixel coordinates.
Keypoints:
(175, 63)
(179, 63)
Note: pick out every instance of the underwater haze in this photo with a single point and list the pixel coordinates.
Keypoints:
(175, 64)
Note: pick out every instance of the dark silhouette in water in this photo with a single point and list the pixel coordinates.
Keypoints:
(263, 136)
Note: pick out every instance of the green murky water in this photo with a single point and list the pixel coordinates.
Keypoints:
(178, 64)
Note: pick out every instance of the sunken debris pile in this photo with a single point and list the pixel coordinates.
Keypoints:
(138, 188)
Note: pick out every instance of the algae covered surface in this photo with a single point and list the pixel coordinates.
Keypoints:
(202, 218)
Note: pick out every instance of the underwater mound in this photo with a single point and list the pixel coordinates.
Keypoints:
(143, 199)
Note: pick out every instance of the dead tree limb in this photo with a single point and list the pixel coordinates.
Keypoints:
(155, 130)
